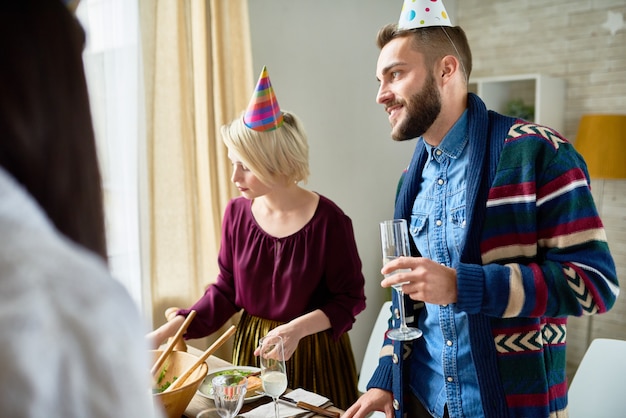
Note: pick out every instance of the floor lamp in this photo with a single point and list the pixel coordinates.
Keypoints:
(601, 140)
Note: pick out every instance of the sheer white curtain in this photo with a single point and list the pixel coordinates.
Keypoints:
(113, 70)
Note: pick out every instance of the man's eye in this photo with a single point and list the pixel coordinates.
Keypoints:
(395, 74)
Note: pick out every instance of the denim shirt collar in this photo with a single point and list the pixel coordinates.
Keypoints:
(453, 143)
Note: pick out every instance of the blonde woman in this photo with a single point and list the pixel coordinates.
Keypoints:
(288, 258)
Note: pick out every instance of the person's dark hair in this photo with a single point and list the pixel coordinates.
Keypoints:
(46, 135)
(435, 42)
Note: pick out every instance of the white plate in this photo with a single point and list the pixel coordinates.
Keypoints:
(206, 390)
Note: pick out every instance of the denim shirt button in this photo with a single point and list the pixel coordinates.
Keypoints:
(396, 405)
(394, 358)
(396, 313)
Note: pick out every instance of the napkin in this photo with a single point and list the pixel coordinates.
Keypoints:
(286, 410)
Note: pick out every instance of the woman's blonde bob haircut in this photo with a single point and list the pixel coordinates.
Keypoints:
(276, 157)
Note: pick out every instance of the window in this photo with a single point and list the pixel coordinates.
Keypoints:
(112, 67)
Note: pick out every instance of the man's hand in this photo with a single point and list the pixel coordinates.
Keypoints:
(428, 281)
(370, 401)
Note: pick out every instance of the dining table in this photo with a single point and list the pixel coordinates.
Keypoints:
(200, 403)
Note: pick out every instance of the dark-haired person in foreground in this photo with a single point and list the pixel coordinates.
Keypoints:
(71, 338)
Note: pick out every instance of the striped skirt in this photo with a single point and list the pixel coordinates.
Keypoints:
(319, 364)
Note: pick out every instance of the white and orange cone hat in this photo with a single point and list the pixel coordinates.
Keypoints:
(423, 13)
(263, 113)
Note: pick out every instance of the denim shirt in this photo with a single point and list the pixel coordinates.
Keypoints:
(444, 373)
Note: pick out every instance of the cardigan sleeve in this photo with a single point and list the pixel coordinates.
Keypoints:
(544, 250)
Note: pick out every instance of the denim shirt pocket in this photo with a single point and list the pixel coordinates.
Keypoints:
(419, 232)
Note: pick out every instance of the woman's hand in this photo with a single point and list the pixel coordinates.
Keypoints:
(291, 337)
(160, 335)
(292, 332)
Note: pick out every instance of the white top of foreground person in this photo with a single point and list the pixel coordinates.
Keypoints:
(71, 338)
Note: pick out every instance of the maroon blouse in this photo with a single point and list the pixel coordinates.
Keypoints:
(280, 279)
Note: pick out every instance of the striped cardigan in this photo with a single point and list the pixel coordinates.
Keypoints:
(535, 253)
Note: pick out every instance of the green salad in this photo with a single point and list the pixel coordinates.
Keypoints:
(161, 386)
(235, 372)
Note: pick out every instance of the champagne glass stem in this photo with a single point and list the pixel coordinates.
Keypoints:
(276, 407)
(403, 326)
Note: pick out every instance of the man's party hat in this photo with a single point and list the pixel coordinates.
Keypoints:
(423, 13)
(263, 113)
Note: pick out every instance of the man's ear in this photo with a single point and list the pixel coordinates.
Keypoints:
(449, 66)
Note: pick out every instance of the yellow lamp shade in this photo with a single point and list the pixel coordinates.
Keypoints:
(601, 140)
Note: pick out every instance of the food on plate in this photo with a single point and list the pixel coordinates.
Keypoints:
(254, 381)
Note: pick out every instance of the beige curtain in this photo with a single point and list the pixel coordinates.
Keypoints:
(198, 71)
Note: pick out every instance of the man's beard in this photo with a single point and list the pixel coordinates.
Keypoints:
(422, 109)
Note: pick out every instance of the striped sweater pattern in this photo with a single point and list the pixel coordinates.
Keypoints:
(535, 253)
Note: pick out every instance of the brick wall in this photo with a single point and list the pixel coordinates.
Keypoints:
(570, 39)
(561, 38)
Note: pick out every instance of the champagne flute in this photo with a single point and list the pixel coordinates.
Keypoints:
(394, 236)
(273, 371)
(208, 413)
(229, 390)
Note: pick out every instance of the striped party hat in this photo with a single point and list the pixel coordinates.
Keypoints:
(423, 13)
(263, 113)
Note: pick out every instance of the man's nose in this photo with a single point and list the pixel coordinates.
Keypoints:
(383, 95)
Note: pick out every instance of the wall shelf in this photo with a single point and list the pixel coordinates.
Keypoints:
(545, 93)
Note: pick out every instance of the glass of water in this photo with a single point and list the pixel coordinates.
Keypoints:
(229, 390)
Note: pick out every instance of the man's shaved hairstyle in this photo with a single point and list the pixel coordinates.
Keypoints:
(435, 42)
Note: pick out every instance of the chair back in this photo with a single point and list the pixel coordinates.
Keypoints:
(374, 345)
(597, 388)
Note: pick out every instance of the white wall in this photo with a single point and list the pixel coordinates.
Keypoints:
(321, 57)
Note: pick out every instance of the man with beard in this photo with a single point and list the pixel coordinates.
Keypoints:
(506, 241)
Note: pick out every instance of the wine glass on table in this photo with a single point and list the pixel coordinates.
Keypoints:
(229, 390)
(394, 236)
(273, 371)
